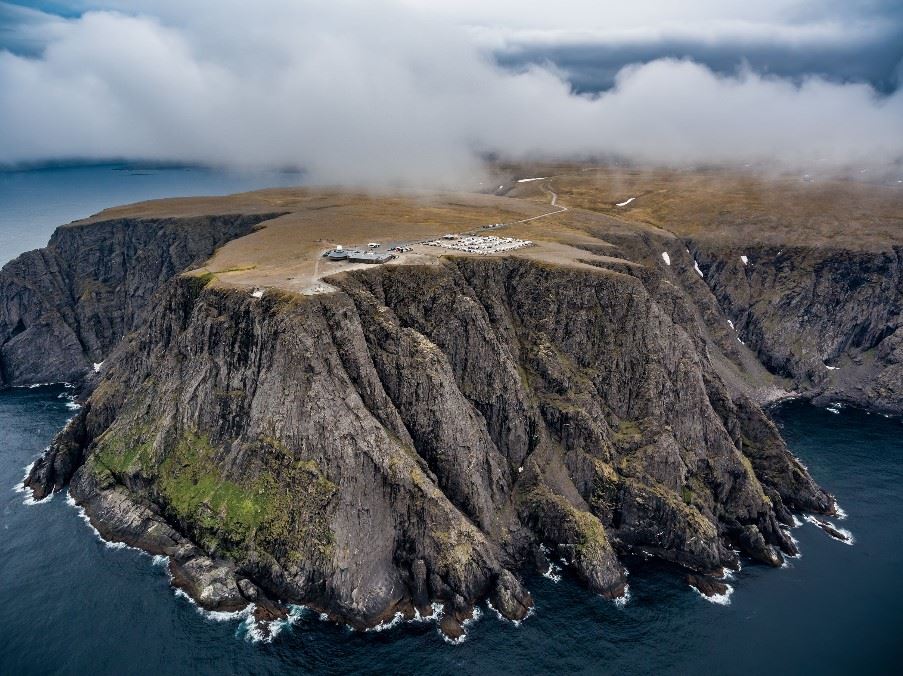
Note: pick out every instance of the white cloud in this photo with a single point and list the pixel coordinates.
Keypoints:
(377, 92)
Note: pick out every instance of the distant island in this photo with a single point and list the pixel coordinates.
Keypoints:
(585, 378)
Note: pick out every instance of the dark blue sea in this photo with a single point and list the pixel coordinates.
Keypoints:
(69, 604)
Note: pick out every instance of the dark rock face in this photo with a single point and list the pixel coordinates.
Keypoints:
(708, 586)
(66, 306)
(420, 434)
(827, 319)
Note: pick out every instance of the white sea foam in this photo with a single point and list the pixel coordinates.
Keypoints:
(29, 494)
(499, 615)
(552, 573)
(31, 501)
(453, 641)
(621, 601)
(696, 267)
(33, 386)
(843, 531)
(718, 599)
(433, 617)
(832, 409)
(257, 632)
(839, 511)
(799, 552)
(160, 560)
(84, 517)
(397, 619)
(666, 258)
(796, 522)
(217, 615)
(477, 613)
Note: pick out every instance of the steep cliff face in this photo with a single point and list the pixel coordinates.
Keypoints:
(421, 435)
(67, 305)
(829, 319)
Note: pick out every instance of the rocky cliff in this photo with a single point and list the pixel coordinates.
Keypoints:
(826, 318)
(424, 433)
(66, 306)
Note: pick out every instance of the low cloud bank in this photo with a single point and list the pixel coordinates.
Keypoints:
(381, 94)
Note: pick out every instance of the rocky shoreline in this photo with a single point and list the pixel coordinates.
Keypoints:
(426, 433)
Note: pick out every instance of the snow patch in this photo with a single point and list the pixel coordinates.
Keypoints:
(97, 365)
(745, 260)
(696, 267)
(666, 258)
(731, 324)
(257, 293)
(527, 180)
(625, 202)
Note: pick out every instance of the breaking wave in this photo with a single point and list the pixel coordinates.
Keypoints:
(256, 632)
(217, 615)
(850, 540)
(718, 599)
(623, 599)
(29, 494)
(84, 517)
(839, 511)
(498, 614)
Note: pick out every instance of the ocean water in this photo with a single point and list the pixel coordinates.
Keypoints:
(70, 604)
(33, 202)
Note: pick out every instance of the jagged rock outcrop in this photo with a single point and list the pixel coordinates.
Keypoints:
(422, 433)
(66, 306)
(829, 319)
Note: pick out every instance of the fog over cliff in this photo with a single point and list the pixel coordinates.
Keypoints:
(415, 92)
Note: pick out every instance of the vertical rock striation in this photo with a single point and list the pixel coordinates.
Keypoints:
(423, 433)
(66, 306)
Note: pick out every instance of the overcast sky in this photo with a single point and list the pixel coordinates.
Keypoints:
(415, 91)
